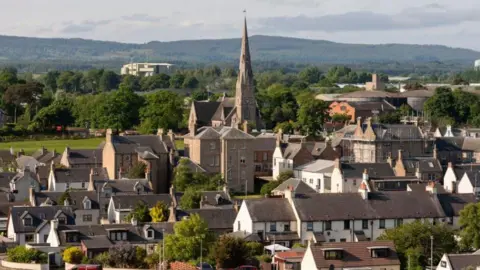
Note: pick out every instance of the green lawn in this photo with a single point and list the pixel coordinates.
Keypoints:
(59, 145)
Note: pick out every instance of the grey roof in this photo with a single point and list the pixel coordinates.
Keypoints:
(355, 170)
(471, 144)
(27, 162)
(249, 237)
(204, 111)
(345, 206)
(449, 144)
(418, 93)
(217, 199)
(366, 94)
(424, 164)
(97, 242)
(270, 209)
(129, 144)
(5, 178)
(124, 187)
(78, 175)
(461, 169)
(317, 166)
(85, 157)
(452, 204)
(194, 167)
(130, 201)
(76, 198)
(38, 214)
(230, 133)
(423, 186)
(463, 261)
(208, 133)
(371, 106)
(264, 143)
(6, 156)
(395, 132)
(298, 186)
(217, 218)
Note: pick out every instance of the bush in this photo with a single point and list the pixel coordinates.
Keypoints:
(268, 187)
(21, 254)
(102, 259)
(73, 255)
(255, 248)
(265, 258)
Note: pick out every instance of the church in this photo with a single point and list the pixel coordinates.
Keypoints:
(220, 138)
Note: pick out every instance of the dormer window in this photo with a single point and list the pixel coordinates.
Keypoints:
(333, 254)
(27, 221)
(62, 220)
(87, 204)
(379, 252)
(150, 234)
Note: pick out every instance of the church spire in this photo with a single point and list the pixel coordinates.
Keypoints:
(245, 63)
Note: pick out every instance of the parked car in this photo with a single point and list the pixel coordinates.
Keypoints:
(87, 267)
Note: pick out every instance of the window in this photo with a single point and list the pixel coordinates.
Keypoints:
(212, 146)
(119, 236)
(67, 185)
(72, 237)
(331, 240)
(265, 156)
(29, 238)
(112, 236)
(309, 226)
(273, 226)
(328, 225)
(381, 224)
(27, 222)
(150, 234)
(398, 222)
(286, 227)
(311, 181)
(242, 160)
(258, 168)
(83, 184)
(354, 182)
(87, 205)
(45, 237)
(61, 220)
(443, 264)
(87, 218)
(365, 224)
(346, 224)
(380, 253)
(343, 240)
(238, 225)
(333, 254)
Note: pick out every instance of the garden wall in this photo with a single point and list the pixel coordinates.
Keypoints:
(24, 266)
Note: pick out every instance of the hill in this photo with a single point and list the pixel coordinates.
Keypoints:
(264, 48)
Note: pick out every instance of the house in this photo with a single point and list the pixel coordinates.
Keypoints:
(469, 183)
(263, 148)
(423, 168)
(22, 182)
(363, 109)
(120, 153)
(272, 219)
(458, 150)
(396, 183)
(96, 239)
(447, 132)
(459, 261)
(239, 111)
(354, 255)
(286, 157)
(316, 174)
(44, 156)
(454, 174)
(62, 179)
(298, 186)
(121, 206)
(287, 260)
(27, 162)
(228, 151)
(82, 158)
(32, 224)
(219, 220)
(7, 200)
(370, 142)
(84, 204)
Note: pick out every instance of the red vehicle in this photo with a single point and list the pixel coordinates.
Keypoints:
(87, 267)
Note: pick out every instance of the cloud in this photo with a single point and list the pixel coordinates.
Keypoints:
(142, 17)
(411, 18)
(82, 27)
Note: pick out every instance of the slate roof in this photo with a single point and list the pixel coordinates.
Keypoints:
(449, 144)
(452, 203)
(471, 144)
(217, 218)
(355, 170)
(208, 133)
(371, 105)
(204, 111)
(387, 205)
(130, 201)
(85, 157)
(463, 261)
(366, 94)
(39, 215)
(129, 144)
(423, 186)
(460, 170)
(424, 164)
(270, 209)
(234, 133)
(210, 199)
(5, 178)
(355, 254)
(78, 175)
(298, 186)
(24, 162)
(474, 177)
(250, 237)
(317, 166)
(395, 132)
(123, 187)
(76, 198)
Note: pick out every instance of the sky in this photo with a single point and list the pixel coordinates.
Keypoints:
(454, 23)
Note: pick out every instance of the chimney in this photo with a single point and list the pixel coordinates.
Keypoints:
(431, 187)
(389, 160)
(171, 135)
(246, 127)
(203, 201)
(120, 172)
(417, 172)
(134, 221)
(91, 182)
(279, 137)
(363, 190)
(108, 135)
(12, 152)
(400, 156)
(289, 193)
(365, 175)
(172, 195)
(435, 152)
(160, 132)
(31, 193)
(172, 218)
(337, 164)
(236, 206)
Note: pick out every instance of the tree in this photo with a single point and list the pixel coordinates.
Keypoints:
(163, 109)
(130, 82)
(190, 82)
(199, 95)
(310, 74)
(22, 93)
(278, 105)
(229, 252)
(50, 80)
(311, 116)
(341, 117)
(123, 255)
(140, 213)
(184, 244)
(191, 199)
(176, 81)
(284, 176)
(470, 224)
(59, 113)
(73, 255)
(91, 80)
(120, 110)
(64, 197)
(159, 212)
(416, 236)
(22, 254)
(137, 170)
(108, 81)
(182, 175)
(267, 188)
(441, 104)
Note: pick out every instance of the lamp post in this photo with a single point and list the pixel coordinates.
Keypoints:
(163, 246)
(431, 252)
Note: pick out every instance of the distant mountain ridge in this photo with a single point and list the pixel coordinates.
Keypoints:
(263, 48)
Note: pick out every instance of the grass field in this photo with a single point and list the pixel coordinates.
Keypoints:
(59, 145)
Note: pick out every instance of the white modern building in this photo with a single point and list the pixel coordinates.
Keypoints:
(145, 69)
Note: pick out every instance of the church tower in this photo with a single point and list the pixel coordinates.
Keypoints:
(245, 103)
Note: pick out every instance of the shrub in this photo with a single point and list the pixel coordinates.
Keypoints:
(255, 248)
(73, 255)
(102, 259)
(265, 258)
(21, 254)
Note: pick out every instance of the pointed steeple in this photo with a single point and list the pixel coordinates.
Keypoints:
(245, 65)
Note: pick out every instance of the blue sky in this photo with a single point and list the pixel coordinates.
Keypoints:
(447, 22)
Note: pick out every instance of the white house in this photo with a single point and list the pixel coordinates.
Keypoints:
(469, 183)
(287, 157)
(317, 174)
(61, 179)
(121, 206)
(459, 261)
